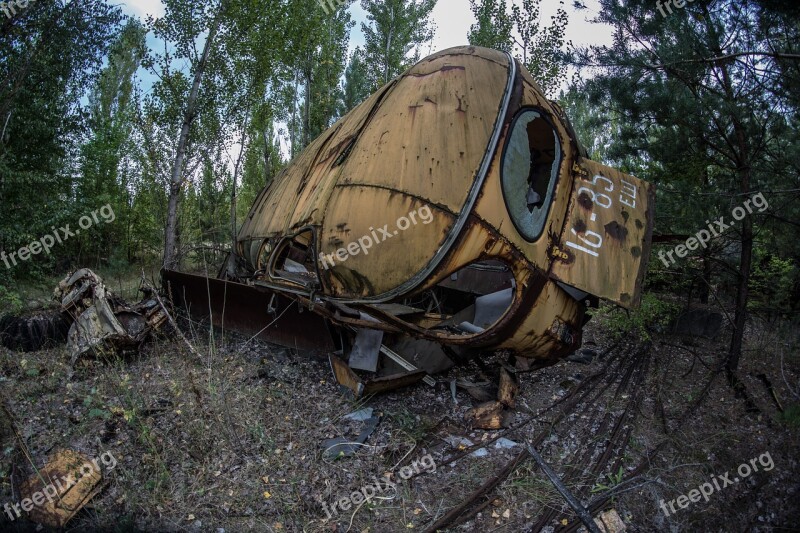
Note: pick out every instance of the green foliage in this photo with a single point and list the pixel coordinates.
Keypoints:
(394, 31)
(596, 126)
(493, 27)
(262, 162)
(317, 56)
(654, 313)
(613, 481)
(356, 87)
(99, 413)
(541, 48)
(772, 282)
(89, 398)
(106, 157)
(706, 108)
(791, 415)
(50, 54)
(10, 302)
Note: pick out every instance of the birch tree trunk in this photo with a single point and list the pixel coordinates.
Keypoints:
(236, 179)
(177, 178)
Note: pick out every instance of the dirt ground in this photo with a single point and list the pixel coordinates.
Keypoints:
(233, 441)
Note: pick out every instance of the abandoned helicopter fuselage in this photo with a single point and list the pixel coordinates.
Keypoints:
(454, 208)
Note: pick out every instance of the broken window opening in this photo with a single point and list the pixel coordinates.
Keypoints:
(531, 161)
(262, 257)
(468, 302)
(293, 260)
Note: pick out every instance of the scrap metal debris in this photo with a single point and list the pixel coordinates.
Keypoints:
(367, 387)
(505, 444)
(360, 415)
(366, 348)
(343, 447)
(103, 322)
(60, 500)
(90, 318)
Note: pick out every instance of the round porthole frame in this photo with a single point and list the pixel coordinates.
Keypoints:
(542, 114)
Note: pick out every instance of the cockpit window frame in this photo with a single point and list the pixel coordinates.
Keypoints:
(552, 185)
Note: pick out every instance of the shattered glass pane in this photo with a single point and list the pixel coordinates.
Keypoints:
(530, 170)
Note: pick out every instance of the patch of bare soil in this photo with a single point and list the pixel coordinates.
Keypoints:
(233, 441)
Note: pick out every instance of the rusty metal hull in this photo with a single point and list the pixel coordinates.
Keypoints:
(250, 310)
(504, 197)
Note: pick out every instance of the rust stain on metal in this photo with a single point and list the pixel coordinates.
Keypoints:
(561, 255)
(443, 69)
(584, 201)
(59, 508)
(616, 230)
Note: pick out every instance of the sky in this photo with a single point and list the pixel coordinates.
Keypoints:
(452, 18)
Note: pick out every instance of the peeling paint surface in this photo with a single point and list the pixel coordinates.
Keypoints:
(336, 231)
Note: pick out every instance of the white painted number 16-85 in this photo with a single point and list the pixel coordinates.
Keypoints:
(591, 238)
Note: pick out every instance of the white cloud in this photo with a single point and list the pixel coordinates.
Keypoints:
(453, 19)
(143, 8)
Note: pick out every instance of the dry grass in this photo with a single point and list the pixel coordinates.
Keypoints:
(234, 440)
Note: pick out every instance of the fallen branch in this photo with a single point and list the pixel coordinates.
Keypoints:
(466, 509)
(456, 511)
(573, 502)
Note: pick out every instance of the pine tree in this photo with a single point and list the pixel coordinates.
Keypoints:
(710, 112)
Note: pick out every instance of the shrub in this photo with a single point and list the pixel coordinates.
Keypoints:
(654, 314)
